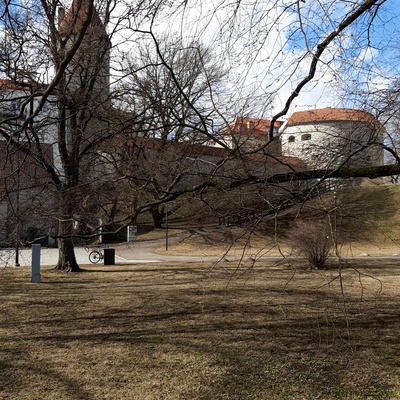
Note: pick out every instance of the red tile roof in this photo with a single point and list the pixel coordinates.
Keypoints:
(330, 115)
(26, 86)
(252, 126)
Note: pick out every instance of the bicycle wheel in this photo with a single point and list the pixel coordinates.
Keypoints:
(95, 256)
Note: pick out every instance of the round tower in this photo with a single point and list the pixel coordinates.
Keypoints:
(330, 137)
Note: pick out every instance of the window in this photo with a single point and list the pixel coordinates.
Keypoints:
(307, 136)
(292, 139)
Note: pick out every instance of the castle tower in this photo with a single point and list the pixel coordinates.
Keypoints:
(89, 72)
(330, 137)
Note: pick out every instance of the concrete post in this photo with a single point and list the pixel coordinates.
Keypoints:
(35, 263)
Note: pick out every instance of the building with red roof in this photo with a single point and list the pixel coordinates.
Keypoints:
(330, 137)
(247, 133)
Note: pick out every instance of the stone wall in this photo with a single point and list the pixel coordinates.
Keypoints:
(3, 229)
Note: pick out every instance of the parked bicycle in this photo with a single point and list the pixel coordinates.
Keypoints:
(95, 255)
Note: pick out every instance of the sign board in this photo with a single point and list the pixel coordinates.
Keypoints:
(132, 233)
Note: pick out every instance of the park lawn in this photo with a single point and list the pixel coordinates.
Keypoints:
(201, 331)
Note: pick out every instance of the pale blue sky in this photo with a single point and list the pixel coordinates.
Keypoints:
(270, 63)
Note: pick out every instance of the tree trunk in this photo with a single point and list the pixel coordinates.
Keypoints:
(66, 254)
(157, 217)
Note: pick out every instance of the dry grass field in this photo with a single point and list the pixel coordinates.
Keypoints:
(201, 331)
(224, 331)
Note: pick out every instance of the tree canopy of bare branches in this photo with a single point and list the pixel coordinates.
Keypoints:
(90, 78)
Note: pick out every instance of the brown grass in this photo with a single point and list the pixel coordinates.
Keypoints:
(233, 242)
(178, 331)
(366, 218)
(239, 243)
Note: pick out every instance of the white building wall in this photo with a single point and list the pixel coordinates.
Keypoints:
(330, 144)
(16, 103)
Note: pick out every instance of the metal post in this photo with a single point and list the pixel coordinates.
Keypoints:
(17, 223)
(17, 253)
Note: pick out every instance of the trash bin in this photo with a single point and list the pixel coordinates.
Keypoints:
(109, 256)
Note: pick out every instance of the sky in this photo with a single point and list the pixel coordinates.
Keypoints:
(263, 47)
(263, 44)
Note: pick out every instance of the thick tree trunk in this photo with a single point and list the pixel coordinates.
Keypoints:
(66, 254)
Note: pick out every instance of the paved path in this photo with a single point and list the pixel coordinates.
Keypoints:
(126, 253)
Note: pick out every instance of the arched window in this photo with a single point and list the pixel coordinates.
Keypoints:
(292, 139)
(306, 136)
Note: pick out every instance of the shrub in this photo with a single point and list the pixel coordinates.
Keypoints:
(313, 241)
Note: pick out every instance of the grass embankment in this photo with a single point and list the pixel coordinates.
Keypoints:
(200, 332)
(367, 220)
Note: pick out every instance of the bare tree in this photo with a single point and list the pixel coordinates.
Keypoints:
(173, 85)
(78, 45)
(172, 93)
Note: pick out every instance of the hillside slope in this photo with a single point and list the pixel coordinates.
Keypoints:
(366, 219)
(371, 212)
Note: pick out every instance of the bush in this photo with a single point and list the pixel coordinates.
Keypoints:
(313, 241)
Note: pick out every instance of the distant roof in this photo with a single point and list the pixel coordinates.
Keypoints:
(25, 86)
(252, 126)
(330, 115)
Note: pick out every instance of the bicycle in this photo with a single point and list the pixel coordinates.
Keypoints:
(95, 255)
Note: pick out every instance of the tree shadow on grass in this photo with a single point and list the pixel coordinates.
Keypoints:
(275, 338)
(23, 376)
